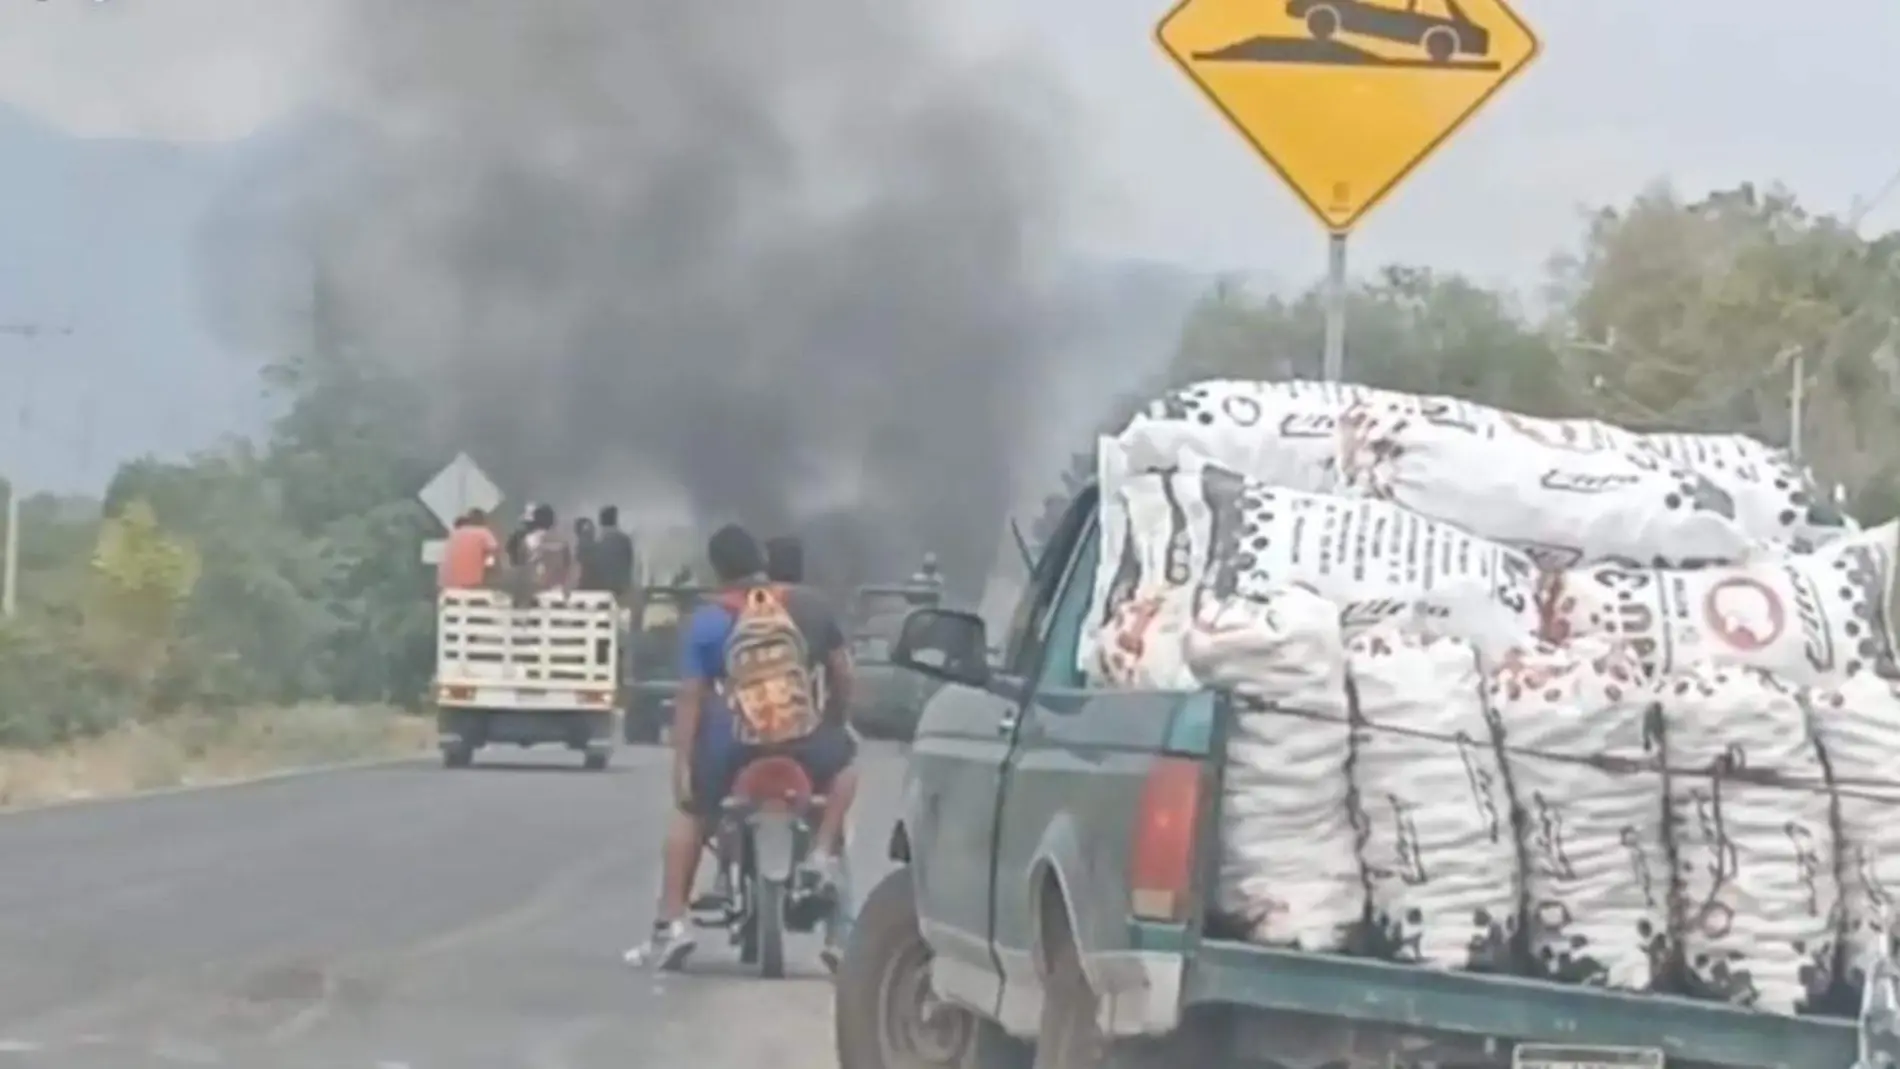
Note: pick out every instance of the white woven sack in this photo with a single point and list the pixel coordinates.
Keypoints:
(1809, 619)
(1437, 843)
(1752, 823)
(1585, 760)
(1561, 506)
(1288, 870)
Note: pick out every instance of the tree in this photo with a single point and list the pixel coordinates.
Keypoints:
(1697, 315)
(141, 579)
(1409, 328)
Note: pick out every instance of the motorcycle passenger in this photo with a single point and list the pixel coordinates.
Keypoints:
(785, 563)
(751, 660)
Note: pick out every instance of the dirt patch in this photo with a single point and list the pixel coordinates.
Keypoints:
(200, 749)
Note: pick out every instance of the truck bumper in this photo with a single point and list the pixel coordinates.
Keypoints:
(592, 730)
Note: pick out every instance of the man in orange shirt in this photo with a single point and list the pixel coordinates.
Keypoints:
(469, 554)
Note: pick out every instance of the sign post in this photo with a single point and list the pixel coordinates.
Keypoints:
(1333, 359)
(1345, 98)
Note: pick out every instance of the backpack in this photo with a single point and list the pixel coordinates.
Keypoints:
(770, 685)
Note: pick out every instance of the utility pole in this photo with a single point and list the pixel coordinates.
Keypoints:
(10, 568)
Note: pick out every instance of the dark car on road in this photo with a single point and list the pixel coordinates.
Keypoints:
(888, 699)
(653, 639)
(1442, 37)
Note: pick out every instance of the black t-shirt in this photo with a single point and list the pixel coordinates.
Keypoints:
(607, 564)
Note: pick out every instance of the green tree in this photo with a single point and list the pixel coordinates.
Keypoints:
(141, 578)
(1409, 328)
(1697, 315)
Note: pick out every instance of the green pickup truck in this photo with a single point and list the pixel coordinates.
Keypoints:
(1057, 855)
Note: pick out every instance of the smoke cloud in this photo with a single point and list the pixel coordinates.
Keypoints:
(786, 264)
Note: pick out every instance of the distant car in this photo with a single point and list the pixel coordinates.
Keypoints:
(1443, 37)
(888, 699)
(653, 638)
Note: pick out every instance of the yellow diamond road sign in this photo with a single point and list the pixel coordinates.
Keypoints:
(1345, 97)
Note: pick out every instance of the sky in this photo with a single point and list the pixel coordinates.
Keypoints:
(1694, 91)
(1698, 91)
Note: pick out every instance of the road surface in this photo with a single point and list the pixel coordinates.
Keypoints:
(400, 917)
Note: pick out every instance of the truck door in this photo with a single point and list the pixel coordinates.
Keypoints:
(1071, 791)
(955, 783)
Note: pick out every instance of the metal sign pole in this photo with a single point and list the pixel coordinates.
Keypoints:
(1333, 367)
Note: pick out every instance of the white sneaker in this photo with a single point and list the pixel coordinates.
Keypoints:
(667, 950)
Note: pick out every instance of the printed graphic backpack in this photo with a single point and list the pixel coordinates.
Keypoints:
(769, 684)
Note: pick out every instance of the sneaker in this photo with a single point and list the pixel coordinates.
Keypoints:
(820, 874)
(672, 943)
(832, 956)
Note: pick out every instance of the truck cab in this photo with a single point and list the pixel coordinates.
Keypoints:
(1057, 850)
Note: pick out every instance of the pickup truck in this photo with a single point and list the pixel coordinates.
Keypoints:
(546, 672)
(1057, 850)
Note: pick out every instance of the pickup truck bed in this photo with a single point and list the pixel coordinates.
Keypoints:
(1061, 847)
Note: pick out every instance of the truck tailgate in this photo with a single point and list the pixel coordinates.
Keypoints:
(1530, 1010)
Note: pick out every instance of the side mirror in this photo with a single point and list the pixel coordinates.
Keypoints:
(944, 644)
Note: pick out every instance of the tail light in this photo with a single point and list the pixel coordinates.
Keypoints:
(773, 782)
(1161, 866)
(457, 694)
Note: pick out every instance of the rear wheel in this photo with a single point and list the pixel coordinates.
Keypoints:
(1322, 22)
(768, 924)
(459, 755)
(1071, 1038)
(595, 761)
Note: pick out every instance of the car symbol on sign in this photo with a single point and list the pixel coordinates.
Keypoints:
(1441, 36)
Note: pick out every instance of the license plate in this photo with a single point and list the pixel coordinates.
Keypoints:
(1550, 1056)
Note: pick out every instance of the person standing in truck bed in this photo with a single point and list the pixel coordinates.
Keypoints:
(469, 555)
(549, 555)
(609, 564)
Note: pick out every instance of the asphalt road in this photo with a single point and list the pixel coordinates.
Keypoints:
(400, 917)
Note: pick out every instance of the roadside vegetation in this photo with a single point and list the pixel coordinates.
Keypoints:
(256, 605)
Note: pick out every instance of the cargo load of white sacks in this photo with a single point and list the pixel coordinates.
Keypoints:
(1543, 697)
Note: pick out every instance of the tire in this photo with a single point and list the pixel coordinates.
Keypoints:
(768, 921)
(459, 756)
(1070, 1038)
(596, 760)
(871, 1004)
(1322, 22)
(1440, 43)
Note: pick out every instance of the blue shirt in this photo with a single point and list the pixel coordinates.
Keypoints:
(703, 657)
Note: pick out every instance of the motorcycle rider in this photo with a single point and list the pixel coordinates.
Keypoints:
(720, 724)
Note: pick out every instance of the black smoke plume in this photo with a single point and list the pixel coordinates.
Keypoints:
(784, 262)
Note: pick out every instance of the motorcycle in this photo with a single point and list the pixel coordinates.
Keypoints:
(759, 845)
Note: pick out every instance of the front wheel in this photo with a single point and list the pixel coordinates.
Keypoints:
(768, 925)
(887, 1016)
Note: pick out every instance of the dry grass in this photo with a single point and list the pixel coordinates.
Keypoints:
(198, 749)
